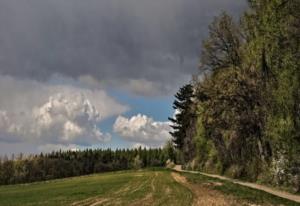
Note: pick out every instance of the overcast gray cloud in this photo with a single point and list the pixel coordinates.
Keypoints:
(120, 43)
(60, 58)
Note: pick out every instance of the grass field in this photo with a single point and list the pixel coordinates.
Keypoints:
(120, 188)
(136, 188)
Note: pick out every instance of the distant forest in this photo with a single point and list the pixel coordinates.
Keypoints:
(61, 164)
(241, 118)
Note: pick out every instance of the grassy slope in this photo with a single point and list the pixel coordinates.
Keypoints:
(125, 188)
(240, 192)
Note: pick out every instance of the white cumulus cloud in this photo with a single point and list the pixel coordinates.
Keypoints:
(68, 119)
(142, 130)
(53, 114)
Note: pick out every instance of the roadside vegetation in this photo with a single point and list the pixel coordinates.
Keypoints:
(242, 117)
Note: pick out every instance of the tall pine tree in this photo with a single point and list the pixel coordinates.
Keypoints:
(183, 121)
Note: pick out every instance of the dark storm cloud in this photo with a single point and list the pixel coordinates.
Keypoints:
(112, 40)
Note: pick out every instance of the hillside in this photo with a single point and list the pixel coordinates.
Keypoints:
(144, 187)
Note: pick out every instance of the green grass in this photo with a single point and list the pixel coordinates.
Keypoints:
(240, 192)
(123, 188)
(151, 187)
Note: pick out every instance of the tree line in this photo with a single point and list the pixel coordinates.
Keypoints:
(61, 164)
(242, 117)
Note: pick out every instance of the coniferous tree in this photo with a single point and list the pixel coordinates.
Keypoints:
(184, 120)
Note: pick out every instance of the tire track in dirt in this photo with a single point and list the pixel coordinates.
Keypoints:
(94, 201)
(148, 200)
(152, 182)
(132, 186)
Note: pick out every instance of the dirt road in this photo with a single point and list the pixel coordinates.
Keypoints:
(205, 196)
(295, 198)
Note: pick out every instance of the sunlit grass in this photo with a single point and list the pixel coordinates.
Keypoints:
(125, 188)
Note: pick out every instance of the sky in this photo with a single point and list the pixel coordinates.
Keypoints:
(96, 73)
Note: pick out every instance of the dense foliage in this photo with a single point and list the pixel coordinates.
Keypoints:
(248, 101)
(74, 163)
